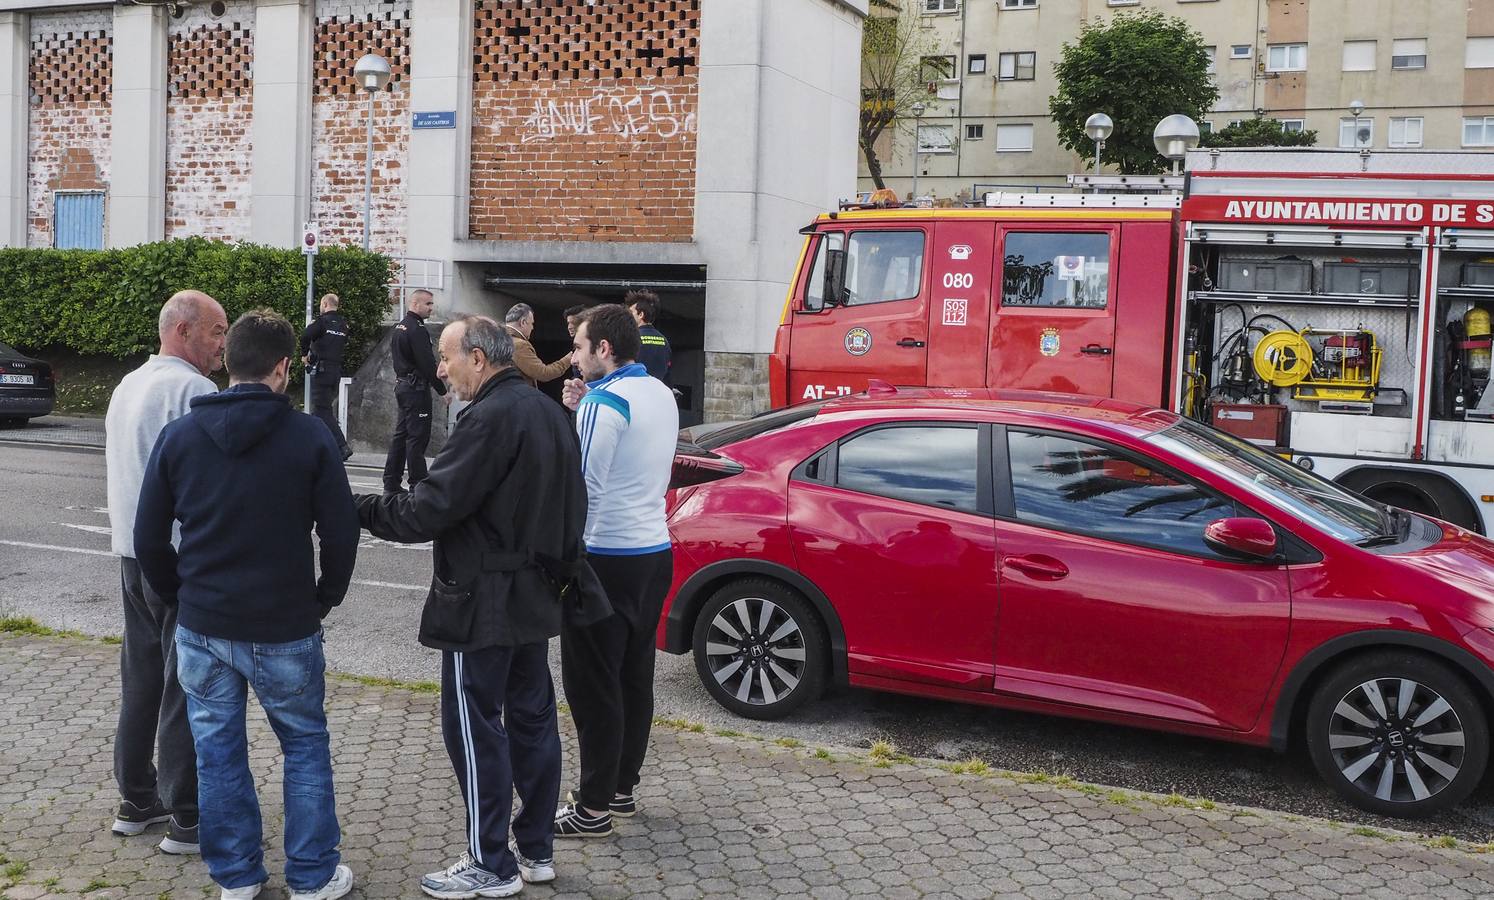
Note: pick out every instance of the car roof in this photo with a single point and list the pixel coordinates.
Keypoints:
(1034, 408)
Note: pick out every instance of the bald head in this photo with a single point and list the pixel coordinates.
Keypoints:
(193, 327)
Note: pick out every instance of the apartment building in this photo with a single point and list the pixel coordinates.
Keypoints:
(1424, 71)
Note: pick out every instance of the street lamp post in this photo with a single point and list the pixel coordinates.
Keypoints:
(1174, 136)
(372, 72)
(1356, 109)
(918, 110)
(1098, 127)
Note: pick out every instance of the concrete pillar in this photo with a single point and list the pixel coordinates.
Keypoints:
(284, 35)
(15, 108)
(436, 173)
(137, 127)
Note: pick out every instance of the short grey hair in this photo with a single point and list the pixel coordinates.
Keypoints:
(482, 333)
(518, 313)
(184, 306)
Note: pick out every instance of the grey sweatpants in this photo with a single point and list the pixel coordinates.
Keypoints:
(152, 706)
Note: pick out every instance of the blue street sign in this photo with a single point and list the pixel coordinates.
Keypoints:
(435, 120)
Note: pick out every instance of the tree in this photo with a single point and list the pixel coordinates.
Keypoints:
(1138, 68)
(1259, 132)
(895, 54)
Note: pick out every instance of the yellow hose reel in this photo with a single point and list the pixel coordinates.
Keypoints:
(1283, 358)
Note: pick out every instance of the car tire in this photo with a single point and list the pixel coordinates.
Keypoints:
(1398, 733)
(760, 648)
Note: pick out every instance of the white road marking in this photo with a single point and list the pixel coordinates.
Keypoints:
(91, 529)
(87, 552)
(103, 510)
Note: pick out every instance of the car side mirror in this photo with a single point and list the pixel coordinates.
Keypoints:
(835, 277)
(1251, 538)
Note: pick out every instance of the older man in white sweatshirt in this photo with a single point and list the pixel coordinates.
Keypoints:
(193, 330)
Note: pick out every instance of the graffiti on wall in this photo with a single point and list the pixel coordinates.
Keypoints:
(630, 115)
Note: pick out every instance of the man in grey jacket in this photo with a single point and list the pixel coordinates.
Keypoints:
(152, 707)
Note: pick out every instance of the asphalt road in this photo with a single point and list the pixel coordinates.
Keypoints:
(55, 566)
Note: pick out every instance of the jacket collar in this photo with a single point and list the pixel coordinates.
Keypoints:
(508, 374)
(631, 370)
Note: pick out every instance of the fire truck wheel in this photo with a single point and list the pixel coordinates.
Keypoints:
(1398, 733)
(760, 649)
(1430, 495)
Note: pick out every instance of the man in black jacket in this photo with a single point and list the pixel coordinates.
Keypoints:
(248, 477)
(504, 494)
(322, 344)
(414, 377)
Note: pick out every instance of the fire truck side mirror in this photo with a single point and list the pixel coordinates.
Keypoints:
(835, 277)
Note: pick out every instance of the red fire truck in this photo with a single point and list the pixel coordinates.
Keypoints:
(1334, 305)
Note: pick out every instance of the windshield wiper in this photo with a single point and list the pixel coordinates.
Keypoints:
(1396, 521)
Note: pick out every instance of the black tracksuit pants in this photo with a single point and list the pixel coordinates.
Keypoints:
(498, 721)
(153, 708)
(608, 672)
(412, 433)
(324, 402)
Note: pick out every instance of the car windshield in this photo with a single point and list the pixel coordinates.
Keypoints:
(709, 437)
(1313, 499)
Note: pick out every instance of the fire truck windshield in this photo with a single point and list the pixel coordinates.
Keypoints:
(1313, 499)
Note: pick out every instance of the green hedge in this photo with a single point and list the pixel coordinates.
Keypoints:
(105, 302)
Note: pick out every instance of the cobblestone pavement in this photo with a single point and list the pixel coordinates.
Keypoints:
(721, 816)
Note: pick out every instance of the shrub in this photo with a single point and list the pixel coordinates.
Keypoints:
(105, 302)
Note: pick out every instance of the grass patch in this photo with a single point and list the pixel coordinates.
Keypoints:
(1362, 831)
(420, 687)
(52, 882)
(1031, 777)
(822, 753)
(1443, 842)
(98, 884)
(727, 733)
(680, 724)
(972, 766)
(789, 743)
(17, 869)
(112, 639)
(885, 753)
(29, 626)
(1120, 798)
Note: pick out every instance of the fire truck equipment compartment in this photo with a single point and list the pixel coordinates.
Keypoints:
(1385, 279)
(1287, 276)
(1259, 423)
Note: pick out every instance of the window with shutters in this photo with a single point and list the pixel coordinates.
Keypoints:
(1359, 56)
(78, 220)
(1408, 53)
(1479, 53)
(1013, 138)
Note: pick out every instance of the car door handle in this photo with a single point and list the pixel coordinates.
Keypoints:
(1095, 350)
(910, 342)
(1037, 566)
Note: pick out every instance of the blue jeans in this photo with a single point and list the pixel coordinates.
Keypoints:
(289, 681)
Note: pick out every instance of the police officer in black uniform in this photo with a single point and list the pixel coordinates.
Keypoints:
(322, 344)
(414, 376)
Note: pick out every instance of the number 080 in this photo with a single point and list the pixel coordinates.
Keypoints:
(958, 279)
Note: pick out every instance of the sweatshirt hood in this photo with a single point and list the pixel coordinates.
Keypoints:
(239, 418)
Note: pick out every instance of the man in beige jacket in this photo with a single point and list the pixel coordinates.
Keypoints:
(519, 322)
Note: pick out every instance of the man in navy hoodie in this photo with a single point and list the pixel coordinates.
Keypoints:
(248, 477)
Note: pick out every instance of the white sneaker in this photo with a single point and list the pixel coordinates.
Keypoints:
(338, 886)
(534, 871)
(248, 892)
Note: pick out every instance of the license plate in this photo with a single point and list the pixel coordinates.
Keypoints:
(17, 379)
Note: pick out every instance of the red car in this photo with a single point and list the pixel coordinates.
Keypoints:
(1084, 557)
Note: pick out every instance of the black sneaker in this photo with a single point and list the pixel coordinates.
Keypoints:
(132, 819)
(180, 840)
(622, 806)
(571, 821)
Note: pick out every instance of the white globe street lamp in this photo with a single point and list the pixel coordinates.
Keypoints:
(1098, 127)
(1174, 136)
(372, 73)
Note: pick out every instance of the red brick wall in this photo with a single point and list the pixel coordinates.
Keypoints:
(71, 80)
(339, 112)
(208, 116)
(583, 120)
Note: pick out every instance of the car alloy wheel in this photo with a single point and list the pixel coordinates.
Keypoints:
(759, 648)
(1398, 734)
(1397, 739)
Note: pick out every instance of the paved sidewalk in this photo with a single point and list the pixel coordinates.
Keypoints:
(721, 816)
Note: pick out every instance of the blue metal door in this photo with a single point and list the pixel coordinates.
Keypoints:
(79, 221)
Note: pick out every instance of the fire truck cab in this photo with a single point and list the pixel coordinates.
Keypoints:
(1329, 304)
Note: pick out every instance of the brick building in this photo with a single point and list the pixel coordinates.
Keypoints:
(585, 146)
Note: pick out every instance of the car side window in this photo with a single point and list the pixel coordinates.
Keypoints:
(814, 288)
(1061, 268)
(932, 465)
(1074, 486)
(883, 265)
